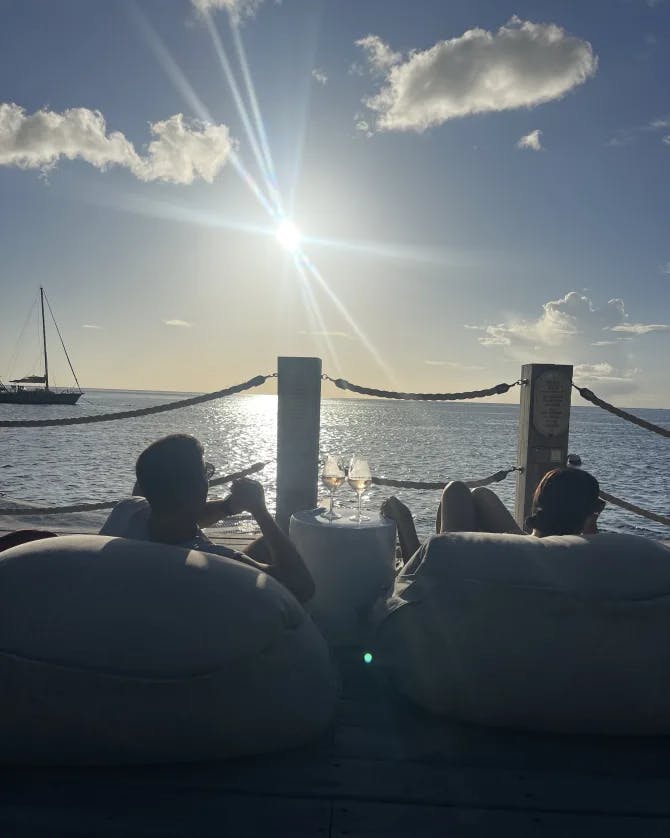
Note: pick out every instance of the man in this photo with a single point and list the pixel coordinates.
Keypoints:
(172, 478)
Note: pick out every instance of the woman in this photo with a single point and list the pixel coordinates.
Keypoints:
(565, 502)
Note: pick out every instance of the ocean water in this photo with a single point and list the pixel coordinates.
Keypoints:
(405, 440)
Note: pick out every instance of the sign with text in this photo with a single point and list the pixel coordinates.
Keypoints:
(551, 405)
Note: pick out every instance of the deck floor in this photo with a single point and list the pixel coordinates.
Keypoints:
(383, 769)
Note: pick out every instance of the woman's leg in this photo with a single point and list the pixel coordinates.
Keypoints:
(456, 512)
(491, 513)
(397, 511)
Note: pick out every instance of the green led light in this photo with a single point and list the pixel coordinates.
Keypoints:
(367, 657)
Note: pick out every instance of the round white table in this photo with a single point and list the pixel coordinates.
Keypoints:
(352, 564)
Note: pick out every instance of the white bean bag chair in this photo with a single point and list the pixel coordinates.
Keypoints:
(118, 651)
(563, 634)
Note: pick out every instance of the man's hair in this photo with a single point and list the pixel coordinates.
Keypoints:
(563, 500)
(170, 472)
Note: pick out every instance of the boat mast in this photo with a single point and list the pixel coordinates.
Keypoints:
(44, 342)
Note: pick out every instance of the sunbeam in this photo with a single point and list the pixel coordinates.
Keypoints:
(314, 312)
(169, 65)
(251, 93)
(360, 334)
(132, 202)
(387, 250)
(252, 184)
(184, 87)
(237, 96)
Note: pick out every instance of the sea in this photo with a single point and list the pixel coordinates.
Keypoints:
(426, 441)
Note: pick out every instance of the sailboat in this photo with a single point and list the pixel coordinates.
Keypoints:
(34, 389)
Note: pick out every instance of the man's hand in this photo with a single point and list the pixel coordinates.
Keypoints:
(247, 496)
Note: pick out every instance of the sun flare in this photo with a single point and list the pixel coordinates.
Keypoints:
(288, 236)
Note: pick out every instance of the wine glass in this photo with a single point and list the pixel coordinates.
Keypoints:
(332, 477)
(360, 478)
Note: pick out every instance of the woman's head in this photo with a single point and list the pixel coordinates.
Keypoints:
(566, 502)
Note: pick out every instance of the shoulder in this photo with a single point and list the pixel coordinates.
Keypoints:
(118, 522)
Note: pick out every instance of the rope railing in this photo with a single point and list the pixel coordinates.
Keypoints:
(590, 396)
(498, 390)
(417, 484)
(637, 510)
(256, 381)
(109, 504)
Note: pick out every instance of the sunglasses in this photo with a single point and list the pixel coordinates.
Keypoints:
(209, 470)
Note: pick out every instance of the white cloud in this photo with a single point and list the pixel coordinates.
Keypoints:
(319, 76)
(531, 141)
(560, 320)
(665, 269)
(179, 152)
(521, 65)
(641, 328)
(90, 326)
(380, 56)
(572, 322)
(238, 9)
(182, 324)
(604, 374)
(626, 136)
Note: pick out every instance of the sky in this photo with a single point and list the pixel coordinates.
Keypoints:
(476, 184)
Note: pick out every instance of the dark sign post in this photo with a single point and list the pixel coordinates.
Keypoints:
(544, 427)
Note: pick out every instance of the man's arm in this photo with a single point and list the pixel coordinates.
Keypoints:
(284, 561)
(214, 511)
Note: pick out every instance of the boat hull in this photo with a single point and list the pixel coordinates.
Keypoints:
(38, 397)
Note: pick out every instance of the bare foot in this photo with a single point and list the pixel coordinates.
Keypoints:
(396, 510)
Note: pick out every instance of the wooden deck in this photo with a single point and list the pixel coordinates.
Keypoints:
(384, 769)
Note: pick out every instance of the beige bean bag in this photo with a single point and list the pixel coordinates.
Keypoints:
(565, 634)
(117, 651)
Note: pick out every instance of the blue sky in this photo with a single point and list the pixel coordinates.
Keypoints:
(440, 249)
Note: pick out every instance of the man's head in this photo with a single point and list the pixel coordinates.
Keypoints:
(172, 477)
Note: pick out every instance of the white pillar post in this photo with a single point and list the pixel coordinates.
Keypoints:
(298, 421)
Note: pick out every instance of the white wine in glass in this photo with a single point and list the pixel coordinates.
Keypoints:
(332, 478)
(360, 479)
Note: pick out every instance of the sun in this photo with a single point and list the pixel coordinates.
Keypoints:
(288, 236)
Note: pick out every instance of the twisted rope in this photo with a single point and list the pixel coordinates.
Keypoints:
(343, 384)
(108, 504)
(144, 411)
(590, 396)
(631, 507)
(413, 484)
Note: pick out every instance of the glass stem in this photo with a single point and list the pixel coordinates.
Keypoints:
(359, 506)
(332, 502)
